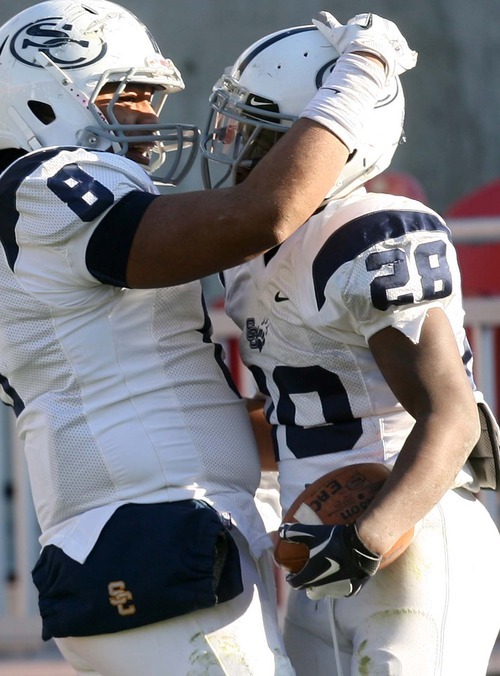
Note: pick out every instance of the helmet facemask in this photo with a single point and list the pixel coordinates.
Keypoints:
(173, 145)
(241, 129)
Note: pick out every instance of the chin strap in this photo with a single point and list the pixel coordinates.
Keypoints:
(62, 78)
(26, 133)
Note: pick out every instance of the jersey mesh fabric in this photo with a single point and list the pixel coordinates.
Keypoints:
(307, 313)
(124, 398)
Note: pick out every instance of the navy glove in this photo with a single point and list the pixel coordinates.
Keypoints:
(339, 563)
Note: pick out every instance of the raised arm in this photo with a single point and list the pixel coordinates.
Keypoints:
(188, 236)
(200, 233)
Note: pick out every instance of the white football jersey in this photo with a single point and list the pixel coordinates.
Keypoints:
(307, 309)
(120, 395)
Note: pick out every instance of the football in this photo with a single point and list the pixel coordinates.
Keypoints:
(338, 497)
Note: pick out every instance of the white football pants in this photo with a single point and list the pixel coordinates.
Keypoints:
(434, 612)
(238, 638)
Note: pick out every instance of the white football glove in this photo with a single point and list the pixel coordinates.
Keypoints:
(369, 33)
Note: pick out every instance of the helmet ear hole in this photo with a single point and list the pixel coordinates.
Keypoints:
(42, 111)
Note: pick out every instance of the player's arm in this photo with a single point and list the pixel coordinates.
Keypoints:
(191, 235)
(429, 380)
(262, 432)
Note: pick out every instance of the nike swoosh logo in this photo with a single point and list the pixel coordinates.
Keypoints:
(253, 102)
(333, 567)
(332, 89)
(279, 299)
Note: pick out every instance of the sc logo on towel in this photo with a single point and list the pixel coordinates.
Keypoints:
(121, 598)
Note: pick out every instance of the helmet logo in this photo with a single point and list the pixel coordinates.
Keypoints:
(53, 38)
(324, 71)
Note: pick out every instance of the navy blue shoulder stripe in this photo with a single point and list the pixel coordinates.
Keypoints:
(360, 234)
(271, 40)
(10, 181)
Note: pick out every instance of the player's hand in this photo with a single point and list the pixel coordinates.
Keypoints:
(369, 33)
(339, 563)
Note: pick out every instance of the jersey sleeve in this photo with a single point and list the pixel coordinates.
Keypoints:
(56, 199)
(392, 268)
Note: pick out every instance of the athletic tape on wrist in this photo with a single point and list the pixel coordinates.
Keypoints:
(347, 96)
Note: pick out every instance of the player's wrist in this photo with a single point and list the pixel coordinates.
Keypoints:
(372, 57)
(367, 560)
(347, 96)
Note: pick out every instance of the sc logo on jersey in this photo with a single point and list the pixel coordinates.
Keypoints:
(59, 42)
(256, 335)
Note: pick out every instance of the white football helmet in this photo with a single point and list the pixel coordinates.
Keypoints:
(56, 56)
(259, 97)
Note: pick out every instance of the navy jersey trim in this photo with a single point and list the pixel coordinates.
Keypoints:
(109, 247)
(360, 234)
(10, 181)
(269, 255)
(206, 332)
(17, 403)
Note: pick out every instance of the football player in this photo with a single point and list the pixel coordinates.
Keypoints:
(353, 329)
(141, 459)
